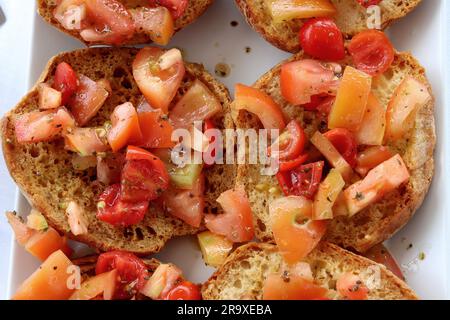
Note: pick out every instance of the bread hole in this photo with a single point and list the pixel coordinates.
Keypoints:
(151, 231)
(119, 72)
(127, 233)
(99, 74)
(245, 264)
(237, 284)
(261, 225)
(139, 234)
(34, 151)
(126, 84)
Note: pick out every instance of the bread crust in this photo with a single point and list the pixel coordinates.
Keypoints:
(351, 19)
(380, 221)
(45, 175)
(258, 260)
(194, 10)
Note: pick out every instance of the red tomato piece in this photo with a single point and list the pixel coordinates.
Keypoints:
(112, 22)
(381, 255)
(113, 210)
(278, 287)
(371, 158)
(372, 52)
(291, 142)
(65, 80)
(322, 39)
(368, 3)
(302, 181)
(351, 287)
(125, 127)
(176, 7)
(129, 268)
(237, 222)
(344, 141)
(184, 291)
(144, 176)
(158, 74)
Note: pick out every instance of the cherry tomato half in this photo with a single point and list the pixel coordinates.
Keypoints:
(344, 141)
(302, 181)
(372, 52)
(113, 210)
(290, 143)
(129, 268)
(65, 81)
(184, 291)
(322, 39)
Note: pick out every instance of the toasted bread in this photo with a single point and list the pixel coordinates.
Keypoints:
(44, 172)
(194, 10)
(351, 18)
(378, 222)
(242, 276)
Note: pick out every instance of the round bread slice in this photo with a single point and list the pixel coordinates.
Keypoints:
(380, 221)
(243, 274)
(44, 171)
(193, 11)
(351, 18)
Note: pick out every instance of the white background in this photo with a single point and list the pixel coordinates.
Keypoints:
(212, 40)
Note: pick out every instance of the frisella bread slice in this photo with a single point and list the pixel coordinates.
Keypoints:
(46, 175)
(350, 16)
(380, 220)
(243, 276)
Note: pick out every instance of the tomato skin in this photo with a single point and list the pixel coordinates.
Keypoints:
(184, 291)
(129, 268)
(66, 81)
(295, 144)
(125, 127)
(344, 141)
(372, 52)
(351, 287)
(322, 39)
(302, 181)
(297, 288)
(371, 158)
(176, 7)
(368, 3)
(292, 164)
(144, 176)
(381, 255)
(113, 210)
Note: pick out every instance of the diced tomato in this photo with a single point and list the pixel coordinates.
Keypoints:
(158, 74)
(260, 104)
(327, 195)
(372, 157)
(197, 104)
(409, 97)
(284, 10)
(21, 231)
(351, 287)
(109, 168)
(71, 14)
(289, 165)
(344, 141)
(49, 98)
(176, 7)
(187, 205)
(112, 22)
(295, 233)
(157, 23)
(321, 103)
(372, 52)
(322, 39)
(43, 244)
(292, 287)
(65, 81)
(237, 221)
(132, 272)
(162, 281)
(144, 176)
(290, 144)
(113, 210)
(49, 281)
(87, 141)
(300, 80)
(215, 248)
(302, 181)
(368, 3)
(184, 291)
(87, 101)
(381, 180)
(103, 284)
(125, 127)
(381, 254)
(373, 125)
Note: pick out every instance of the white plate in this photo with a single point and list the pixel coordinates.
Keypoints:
(213, 40)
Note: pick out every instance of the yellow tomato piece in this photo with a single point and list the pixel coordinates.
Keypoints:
(351, 100)
(282, 10)
(103, 284)
(329, 191)
(49, 282)
(215, 248)
(373, 125)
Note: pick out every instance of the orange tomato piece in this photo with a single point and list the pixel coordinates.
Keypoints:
(295, 233)
(49, 98)
(157, 23)
(43, 244)
(282, 10)
(351, 287)
(86, 141)
(292, 287)
(373, 125)
(21, 231)
(350, 105)
(372, 157)
(103, 284)
(49, 282)
(125, 127)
